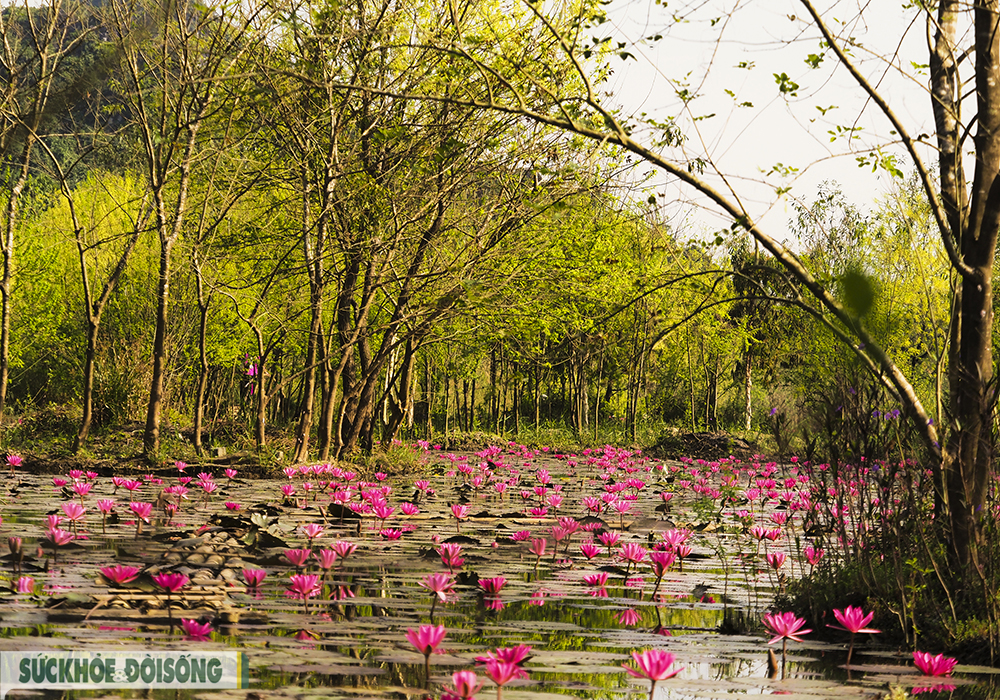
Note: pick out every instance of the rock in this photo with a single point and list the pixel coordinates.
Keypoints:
(218, 452)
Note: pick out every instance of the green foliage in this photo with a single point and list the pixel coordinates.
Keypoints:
(786, 86)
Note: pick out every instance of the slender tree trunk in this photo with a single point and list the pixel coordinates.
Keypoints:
(747, 389)
(260, 417)
(202, 383)
(447, 409)
(7, 279)
(87, 400)
(691, 386)
(472, 411)
(428, 399)
(154, 408)
(304, 428)
(517, 407)
(538, 396)
(404, 380)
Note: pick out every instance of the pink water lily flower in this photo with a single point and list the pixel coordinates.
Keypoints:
(440, 585)
(502, 672)
(426, 639)
(653, 665)
(628, 617)
(344, 549)
(939, 665)
(196, 631)
(813, 554)
(326, 558)
(25, 585)
(59, 537)
(171, 581)
(303, 585)
(466, 685)
(853, 619)
(514, 655)
(494, 585)
(298, 557)
(311, 531)
(253, 577)
(775, 559)
(120, 574)
(74, 512)
(785, 626)
(141, 510)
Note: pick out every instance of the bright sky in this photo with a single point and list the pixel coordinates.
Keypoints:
(702, 52)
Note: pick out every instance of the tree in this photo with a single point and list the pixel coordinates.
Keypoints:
(175, 58)
(964, 69)
(34, 43)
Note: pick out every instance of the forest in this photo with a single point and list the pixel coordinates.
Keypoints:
(238, 221)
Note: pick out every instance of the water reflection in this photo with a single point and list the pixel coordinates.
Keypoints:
(353, 638)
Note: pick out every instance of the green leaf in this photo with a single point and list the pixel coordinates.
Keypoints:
(786, 86)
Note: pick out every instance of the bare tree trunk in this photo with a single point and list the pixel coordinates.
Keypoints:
(428, 399)
(747, 390)
(204, 301)
(154, 407)
(472, 411)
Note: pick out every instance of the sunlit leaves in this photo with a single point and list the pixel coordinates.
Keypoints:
(878, 160)
(786, 86)
(782, 170)
(838, 132)
(745, 103)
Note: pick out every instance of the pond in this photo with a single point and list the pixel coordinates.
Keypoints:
(544, 550)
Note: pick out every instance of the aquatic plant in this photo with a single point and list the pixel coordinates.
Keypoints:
(784, 626)
(171, 582)
(426, 639)
(654, 665)
(196, 631)
(303, 587)
(120, 574)
(929, 665)
(853, 619)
